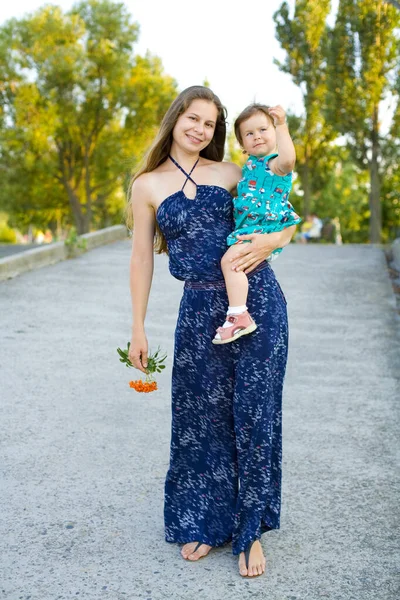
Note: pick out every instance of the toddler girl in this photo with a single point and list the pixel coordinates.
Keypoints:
(262, 205)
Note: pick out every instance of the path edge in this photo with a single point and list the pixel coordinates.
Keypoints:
(36, 258)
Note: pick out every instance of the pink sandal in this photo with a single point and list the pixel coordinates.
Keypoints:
(241, 325)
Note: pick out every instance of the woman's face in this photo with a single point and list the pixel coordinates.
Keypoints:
(258, 135)
(195, 127)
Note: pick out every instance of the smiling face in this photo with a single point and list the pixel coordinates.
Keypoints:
(195, 127)
(258, 135)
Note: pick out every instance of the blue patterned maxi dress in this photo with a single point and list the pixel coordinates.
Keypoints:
(224, 479)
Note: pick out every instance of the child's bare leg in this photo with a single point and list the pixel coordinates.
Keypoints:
(238, 321)
(237, 285)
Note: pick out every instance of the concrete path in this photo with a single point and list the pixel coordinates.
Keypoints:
(84, 457)
(10, 249)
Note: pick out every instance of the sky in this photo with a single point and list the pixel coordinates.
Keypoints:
(219, 40)
(230, 43)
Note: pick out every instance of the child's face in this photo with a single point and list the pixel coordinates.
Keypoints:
(258, 135)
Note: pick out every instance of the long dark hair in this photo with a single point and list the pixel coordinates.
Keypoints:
(161, 146)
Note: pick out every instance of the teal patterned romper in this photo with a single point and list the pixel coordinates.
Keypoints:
(262, 205)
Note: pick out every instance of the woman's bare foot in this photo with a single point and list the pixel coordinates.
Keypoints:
(256, 561)
(189, 554)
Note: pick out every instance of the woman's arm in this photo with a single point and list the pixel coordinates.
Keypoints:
(141, 269)
(249, 256)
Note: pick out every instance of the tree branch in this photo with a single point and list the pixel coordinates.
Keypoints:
(393, 3)
(104, 184)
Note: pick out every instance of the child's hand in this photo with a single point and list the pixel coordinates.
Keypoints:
(278, 114)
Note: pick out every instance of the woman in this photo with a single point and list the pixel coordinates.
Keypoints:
(224, 477)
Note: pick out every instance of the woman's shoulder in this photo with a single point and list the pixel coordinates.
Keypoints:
(143, 187)
(228, 172)
(232, 174)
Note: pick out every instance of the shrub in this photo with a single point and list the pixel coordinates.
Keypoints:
(7, 235)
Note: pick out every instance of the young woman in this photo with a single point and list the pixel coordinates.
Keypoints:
(224, 477)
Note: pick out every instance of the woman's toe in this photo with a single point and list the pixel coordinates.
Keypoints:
(202, 550)
(187, 550)
(242, 566)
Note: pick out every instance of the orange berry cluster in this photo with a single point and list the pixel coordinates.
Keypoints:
(143, 386)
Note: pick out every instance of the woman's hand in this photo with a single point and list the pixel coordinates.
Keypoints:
(250, 255)
(138, 350)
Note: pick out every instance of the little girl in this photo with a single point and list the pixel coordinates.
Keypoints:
(262, 205)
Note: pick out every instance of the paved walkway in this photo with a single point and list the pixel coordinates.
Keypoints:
(10, 249)
(84, 457)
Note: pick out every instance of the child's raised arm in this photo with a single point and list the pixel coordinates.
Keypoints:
(285, 161)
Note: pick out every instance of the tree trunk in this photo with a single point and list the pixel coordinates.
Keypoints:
(306, 188)
(375, 193)
(65, 177)
(76, 208)
(88, 213)
(59, 224)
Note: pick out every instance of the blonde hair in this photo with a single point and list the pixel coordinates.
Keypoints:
(248, 112)
(161, 146)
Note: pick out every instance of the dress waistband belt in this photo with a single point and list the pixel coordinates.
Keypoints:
(220, 284)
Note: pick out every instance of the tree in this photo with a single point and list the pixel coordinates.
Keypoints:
(344, 195)
(361, 59)
(305, 37)
(234, 151)
(82, 110)
(391, 168)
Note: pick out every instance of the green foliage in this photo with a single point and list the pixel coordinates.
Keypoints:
(7, 234)
(305, 39)
(74, 243)
(362, 55)
(154, 362)
(234, 151)
(344, 74)
(345, 196)
(390, 193)
(362, 58)
(81, 109)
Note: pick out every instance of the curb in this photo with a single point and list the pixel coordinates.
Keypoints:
(14, 265)
(396, 253)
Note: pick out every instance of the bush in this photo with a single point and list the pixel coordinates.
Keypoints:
(74, 243)
(7, 235)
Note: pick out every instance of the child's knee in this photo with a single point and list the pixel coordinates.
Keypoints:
(226, 262)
